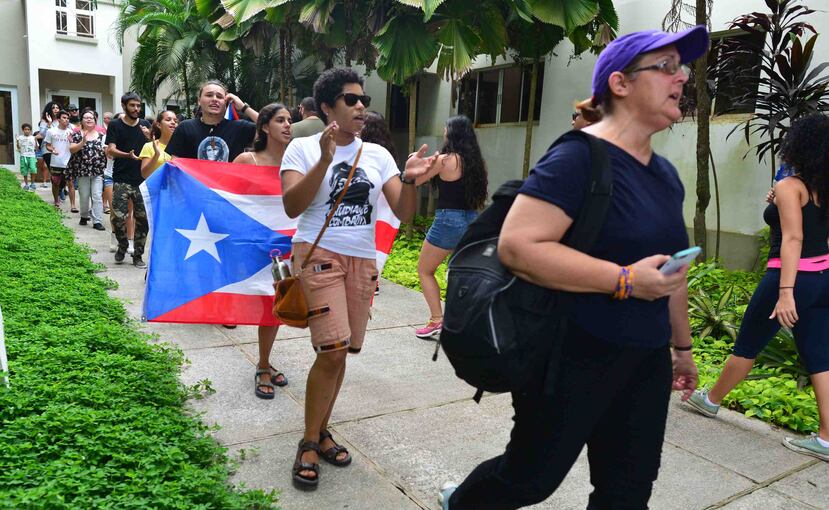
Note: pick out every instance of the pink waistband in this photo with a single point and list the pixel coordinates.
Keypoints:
(810, 264)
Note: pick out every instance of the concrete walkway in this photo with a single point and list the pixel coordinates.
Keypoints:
(411, 424)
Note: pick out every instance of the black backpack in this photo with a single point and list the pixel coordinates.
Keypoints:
(499, 330)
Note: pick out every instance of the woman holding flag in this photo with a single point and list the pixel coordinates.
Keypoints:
(339, 282)
(273, 132)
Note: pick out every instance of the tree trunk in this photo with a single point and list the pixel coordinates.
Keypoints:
(528, 136)
(412, 133)
(189, 111)
(717, 205)
(703, 140)
(282, 77)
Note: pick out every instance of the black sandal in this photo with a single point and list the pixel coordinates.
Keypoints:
(260, 382)
(302, 482)
(275, 376)
(330, 455)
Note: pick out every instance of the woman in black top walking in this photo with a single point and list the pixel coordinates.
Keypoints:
(461, 180)
(795, 290)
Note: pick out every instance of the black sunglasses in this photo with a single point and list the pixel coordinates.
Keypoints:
(351, 99)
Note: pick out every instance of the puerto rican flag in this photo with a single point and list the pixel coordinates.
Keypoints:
(213, 227)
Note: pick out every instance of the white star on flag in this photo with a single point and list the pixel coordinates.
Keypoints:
(202, 239)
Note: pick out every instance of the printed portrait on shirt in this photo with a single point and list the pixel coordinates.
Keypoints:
(213, 148)
(355, 209)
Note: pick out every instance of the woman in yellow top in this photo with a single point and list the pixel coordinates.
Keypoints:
(153, 153)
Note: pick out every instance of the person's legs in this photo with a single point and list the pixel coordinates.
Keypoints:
(141, 226)
(118, 215)
(320, 394)
(70, 182)
(43, 171)
(550, 430)
(430, 258)
(97, 206)
(625, 448)
(756, 331)
(106, 195)
(57, 183)
(130, 221)
(85, 192)
(266, 336)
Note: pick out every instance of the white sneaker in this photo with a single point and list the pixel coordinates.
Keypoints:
(130, 248)
(113, 243)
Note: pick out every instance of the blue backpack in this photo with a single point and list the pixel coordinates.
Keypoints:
(499, 330)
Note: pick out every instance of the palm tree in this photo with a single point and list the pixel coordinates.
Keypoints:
(171, 37)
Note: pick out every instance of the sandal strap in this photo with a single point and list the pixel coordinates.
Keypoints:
(260, 381)
(308, 446)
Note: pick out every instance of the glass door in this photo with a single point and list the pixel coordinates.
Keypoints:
(7, 129)
(79, 98)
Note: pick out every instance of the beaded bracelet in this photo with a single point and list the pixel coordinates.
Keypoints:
(624, 284)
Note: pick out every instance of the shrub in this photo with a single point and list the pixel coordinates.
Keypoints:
(94, 416)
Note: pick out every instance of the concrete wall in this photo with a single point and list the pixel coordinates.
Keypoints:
(14, 66)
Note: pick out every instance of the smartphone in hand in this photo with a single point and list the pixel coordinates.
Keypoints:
(680, 259)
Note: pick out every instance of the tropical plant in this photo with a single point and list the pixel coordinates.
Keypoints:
(713, 317)
(784, 85)
(781, 354)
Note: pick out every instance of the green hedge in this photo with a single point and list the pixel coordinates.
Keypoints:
(94, 416)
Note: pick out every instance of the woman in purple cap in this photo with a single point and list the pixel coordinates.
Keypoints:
(617, 367)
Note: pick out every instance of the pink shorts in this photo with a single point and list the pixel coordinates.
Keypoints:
(338, 290)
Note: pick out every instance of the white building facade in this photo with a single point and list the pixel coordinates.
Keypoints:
(500, 93)
(57, 50)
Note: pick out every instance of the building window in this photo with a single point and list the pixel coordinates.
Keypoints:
(500, 96)
(77, 14)
(727, 87)
(61, 17)
(84, 20)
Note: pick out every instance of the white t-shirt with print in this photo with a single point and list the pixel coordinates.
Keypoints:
(27, 145)
(351, 231)
(59, 139)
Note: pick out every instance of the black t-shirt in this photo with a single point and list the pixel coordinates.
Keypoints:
(127, 138)
(221, 142)
(644, 219)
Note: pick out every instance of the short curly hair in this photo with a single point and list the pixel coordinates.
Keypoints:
(330, 83)
(806, 148)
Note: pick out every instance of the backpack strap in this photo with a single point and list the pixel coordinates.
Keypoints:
(584, 233)
(588, 225)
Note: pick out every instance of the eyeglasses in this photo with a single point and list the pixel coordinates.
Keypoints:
(668, 66)
(351, 99)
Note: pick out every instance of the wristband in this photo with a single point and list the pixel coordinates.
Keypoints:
(402, 176)
(245, 107)
(683, 349)
(624, 284)
(787, 287)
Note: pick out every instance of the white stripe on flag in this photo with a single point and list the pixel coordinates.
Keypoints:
(266, 209)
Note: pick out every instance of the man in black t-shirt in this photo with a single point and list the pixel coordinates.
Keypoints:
(212, 136)
(125, 138)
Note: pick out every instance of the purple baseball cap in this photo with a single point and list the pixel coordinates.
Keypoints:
(691, 44)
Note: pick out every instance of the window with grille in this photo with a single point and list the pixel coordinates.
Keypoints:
(84, 19)
(61, 17)
(75, 17)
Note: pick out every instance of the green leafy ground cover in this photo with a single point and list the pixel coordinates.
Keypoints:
(94, 417)
(777, 390)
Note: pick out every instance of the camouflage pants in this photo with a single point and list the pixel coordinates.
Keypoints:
(121, 194)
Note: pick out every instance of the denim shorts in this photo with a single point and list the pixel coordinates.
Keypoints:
(449, 226)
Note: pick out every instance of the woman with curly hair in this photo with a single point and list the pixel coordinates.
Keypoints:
(461, 180)
(795, 290)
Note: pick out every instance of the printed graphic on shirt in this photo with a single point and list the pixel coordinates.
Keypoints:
(213, 148)
(355, 209)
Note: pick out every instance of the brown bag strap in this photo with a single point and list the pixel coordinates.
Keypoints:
(333, 209)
